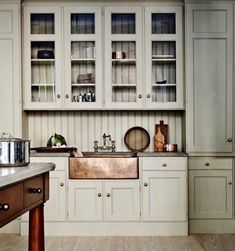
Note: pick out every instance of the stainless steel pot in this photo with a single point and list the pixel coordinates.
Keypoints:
(14, 151)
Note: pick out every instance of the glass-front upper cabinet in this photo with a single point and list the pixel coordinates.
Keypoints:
(42, 57)
(123, 57)
(83, 65)
(164, 60)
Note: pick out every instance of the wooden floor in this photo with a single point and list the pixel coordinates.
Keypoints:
(212, 242)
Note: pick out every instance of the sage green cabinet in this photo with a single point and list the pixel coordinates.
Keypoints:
(209, 77)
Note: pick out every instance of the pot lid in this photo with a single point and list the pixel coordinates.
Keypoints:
(9, 138)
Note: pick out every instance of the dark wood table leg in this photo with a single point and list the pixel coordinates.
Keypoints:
(36, 229)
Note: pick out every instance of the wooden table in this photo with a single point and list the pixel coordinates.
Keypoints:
(25, 189)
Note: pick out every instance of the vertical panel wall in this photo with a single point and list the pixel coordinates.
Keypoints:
(82, 128)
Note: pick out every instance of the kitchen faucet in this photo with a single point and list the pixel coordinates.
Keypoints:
(105, 145)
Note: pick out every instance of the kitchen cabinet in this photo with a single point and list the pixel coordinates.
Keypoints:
(55, 209)
(164, 57)
(10, 68)
(210, 188)
(85, 66)
(83, 59)
(209, 77)
(123, 57)
(103, 200)
(42, 52)
(164, 189)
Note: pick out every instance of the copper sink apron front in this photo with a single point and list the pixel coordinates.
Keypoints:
(103, 168)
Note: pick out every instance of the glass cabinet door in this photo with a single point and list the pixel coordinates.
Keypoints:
(164, 81)
(123, 58)
(42, 78)
(82, 59)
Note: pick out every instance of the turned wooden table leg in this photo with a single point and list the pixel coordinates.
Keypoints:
(36, 229)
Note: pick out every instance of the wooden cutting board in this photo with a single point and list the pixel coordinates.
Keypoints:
(53, 149)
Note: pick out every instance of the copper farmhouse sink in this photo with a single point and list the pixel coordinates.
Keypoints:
(104, 166)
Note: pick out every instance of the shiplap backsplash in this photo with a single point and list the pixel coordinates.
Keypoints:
(81, 128)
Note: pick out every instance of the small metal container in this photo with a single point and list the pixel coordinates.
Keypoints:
(170, 147)
(14, 151)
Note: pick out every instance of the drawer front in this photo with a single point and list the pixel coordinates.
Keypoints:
(12, 198)
(210, 163)
(60, 162)
(33, 190)
(164, 163)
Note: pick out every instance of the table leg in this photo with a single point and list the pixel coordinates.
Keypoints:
(36, 229)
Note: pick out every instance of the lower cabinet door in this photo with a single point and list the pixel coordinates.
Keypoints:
(85, 200)
(210, 194)
(122, 200)
(164, 196)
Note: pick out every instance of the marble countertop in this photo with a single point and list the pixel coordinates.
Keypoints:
(10, 175)
(162, 154)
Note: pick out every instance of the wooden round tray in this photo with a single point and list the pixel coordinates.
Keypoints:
(137, 139)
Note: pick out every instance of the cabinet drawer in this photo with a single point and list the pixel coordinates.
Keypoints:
(13, 197)
(164, 163)
(210, 163)
(33, 190)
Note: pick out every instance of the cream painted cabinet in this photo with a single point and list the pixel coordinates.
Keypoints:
(83, 57)
(164, 185)
(103, 200)
(10, 68)
(164, 57)
(55, 208)
(123, 57)
(210, 188)
(42, 53)
(209, 77)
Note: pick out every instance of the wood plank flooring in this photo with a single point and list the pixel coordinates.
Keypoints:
(200, 242)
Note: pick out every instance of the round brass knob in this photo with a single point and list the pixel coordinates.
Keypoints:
(58, 96)
(140, 96)
(230, 182)
(67, 95)
(99, 194)
(207, 164)
(229, 140)
(148, 96)
(4, 207)
(108, 194)
(36, 190)
(61, 184)
(145, 184)
(164, 164)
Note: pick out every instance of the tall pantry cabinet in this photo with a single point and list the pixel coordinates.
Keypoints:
(10, 95)
(209, 110)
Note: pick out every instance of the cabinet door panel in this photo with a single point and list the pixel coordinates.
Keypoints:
(164, 196)
(85, 201)
(122, 200)
(210, 194)
(209, 77)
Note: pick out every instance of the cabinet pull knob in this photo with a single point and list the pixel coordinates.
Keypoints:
(229, 140)
(67, 95)
(207, 164)
(61, 184)
(99, 195)
(140, 96)
(4, 207)
(164, 164)
(108, 194)
(58, 96)
(145, 184)
(230, 182)
(36, 190)
(148, 96)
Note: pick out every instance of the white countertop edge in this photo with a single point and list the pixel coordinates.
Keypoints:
(10, 175)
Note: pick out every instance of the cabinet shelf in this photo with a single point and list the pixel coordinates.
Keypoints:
(43, 85)
(38, 60)
(163, 59)
(83, 85)
(124, 85)
(82, 60)
(163, 85)
(124, 61)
